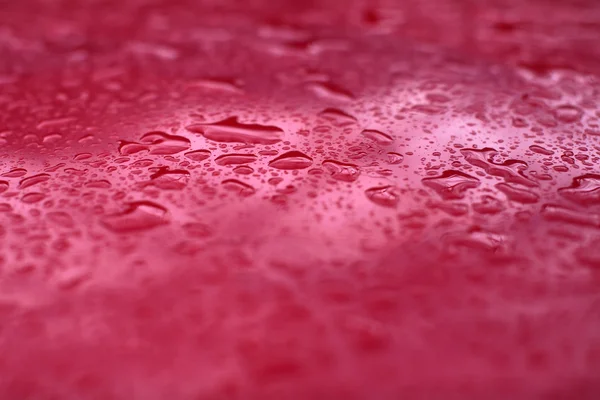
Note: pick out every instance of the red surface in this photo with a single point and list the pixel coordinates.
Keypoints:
(299, 200)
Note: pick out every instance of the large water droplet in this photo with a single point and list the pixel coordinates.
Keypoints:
(33, 180)
(385, 196)
(584, 190)
(568, 113)
(510, 170)
(168, 179)
(342, 171)
(139, 216)
(330, 91)
(15, 173)
(337, 117)
(198, 155)
(394, 158)
(541, 150)
(563, 214)
(452, 184)
(231, 130)
(160, 143)
(378, 137)
(234, 159)
(239, 187)
(291, 160)
(517, 194)
(3, 186)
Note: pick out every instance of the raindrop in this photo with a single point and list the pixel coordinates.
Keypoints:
(15, 173)
(451, 184)
(517, 194)
(33, 180)
(243, 170)
(378, 137)
(33, 197)
(234, 159)
(568, 113)
(337, 117)
(167, 179)
(329, 91)
(160, 143)
(198, 155)
(394, 158)
(540, 150)
(510, 170)
(241, 188)
(231, 130)
(488, 205)
(584, 190)
(341, 171)
(3, 186)
(291, 160)
(139, 216)
(385, 196)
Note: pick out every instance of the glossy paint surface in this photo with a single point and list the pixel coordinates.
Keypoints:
(299, 200)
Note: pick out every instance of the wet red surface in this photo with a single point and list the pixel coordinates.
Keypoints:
(299, 200)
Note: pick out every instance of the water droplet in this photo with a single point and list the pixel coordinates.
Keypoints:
(291, 160)
(517, 194)
(584, 190)
(568, 113)
(168, 179)
(220, 84)
(160, 143)
(33, 198)
(510, 170)
(488, 205)
(378, 137)
(33, 180)
(52, 138)
(243, 170)
(99, 184)
(329, 91)
(451, 184)
(3, 186)
(15, 173)
(231, 130)
(61, 218)
(129, 148)
(394, 158)
(239, 187)
(385, 196)
(139, 216)
(198, 155)
(197, 229)
(540, 150)
(82, 156)
(234, 159)
(342, 171)
(337, 117)
(562, 214)
(55, 122)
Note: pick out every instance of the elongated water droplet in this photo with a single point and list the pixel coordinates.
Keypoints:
(291, 160)
(139, 216)
(160, 143)
(337, 117)
(517, 194)
(231, 130)
(234, 159)
(540, 150)
(15, 173)
(168, 179)
(33, 180)
(239, 187)
(378, 137)
(198, 155)
(452, 184)
(342, 171)
(584, 190)
(510, 170)
(394, 158)
(329, 91)
(385, 196)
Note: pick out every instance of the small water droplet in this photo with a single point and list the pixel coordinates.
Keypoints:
(231, 130)
(488, 205)
(568, 113)
(510, 170)
(52, 138)
(3, 186)
(385, 196)
(139, 216)
(452, 184)
(378, 137)
(99, 184)
(243, 170)
(291, 160)
(33, 198)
